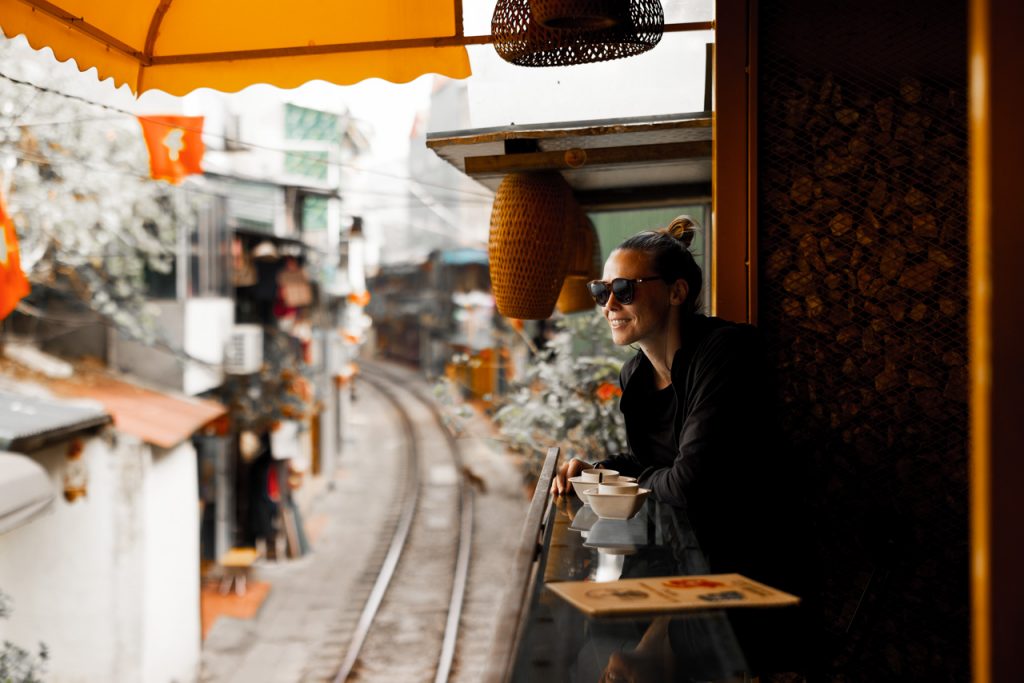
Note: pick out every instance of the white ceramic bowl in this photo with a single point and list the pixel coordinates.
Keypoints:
(617, 505)
(583, 490)
(596, 476)
(578, 483)
(626, 487)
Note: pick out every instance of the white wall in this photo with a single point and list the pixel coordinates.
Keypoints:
(171, 622)
(87, 581)
(58, 571)
(208, 322)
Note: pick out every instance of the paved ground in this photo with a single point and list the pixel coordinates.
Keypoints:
(315, 601)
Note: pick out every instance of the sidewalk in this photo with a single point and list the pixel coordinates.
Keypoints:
(303, 628)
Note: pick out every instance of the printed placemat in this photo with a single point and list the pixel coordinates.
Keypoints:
(670, 594)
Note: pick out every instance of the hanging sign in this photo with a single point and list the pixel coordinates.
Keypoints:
(13, 283)
(175, 145)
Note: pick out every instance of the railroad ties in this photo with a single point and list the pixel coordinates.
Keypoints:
(409, 563)
(408, 627)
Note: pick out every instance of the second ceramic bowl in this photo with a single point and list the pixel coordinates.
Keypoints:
(617, 505)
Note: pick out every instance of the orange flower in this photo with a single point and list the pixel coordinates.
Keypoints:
(606, 391)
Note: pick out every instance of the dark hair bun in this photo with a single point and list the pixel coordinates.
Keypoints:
(683, 228)
(672, 259)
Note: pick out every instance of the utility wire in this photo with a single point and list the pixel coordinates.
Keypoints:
(65, 122)
(41, 159)
(251, 145)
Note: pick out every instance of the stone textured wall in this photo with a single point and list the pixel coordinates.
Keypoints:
(862, 252)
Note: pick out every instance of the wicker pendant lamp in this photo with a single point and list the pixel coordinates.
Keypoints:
(584, 266)
(532, 221)
(579, 14)
(520, 39)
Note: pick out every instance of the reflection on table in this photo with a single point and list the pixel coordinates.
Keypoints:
(560, 643)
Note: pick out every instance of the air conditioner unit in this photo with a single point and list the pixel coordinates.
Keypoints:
(243, 354)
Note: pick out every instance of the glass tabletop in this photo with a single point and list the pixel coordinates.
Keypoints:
(560, 643)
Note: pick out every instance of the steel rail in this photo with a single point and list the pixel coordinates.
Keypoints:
(387, 571)
(466, 523)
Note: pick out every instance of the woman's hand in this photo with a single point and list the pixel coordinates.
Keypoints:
(562, 504)
(566, 471)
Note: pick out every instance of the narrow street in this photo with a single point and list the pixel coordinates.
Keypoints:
(303, 629)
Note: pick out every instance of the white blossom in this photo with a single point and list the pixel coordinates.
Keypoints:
(84, 208)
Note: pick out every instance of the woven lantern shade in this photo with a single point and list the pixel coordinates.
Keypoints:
(520, 39)
(532, 222)
(579, 14)
(584, 266)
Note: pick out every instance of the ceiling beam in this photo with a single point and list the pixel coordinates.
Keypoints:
(644, 197)
(82, 26)
(561, 160)
(395, 44)
(146, 58)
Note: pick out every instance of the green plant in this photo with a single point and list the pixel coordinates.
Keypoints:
(568, 396)
(18, 665)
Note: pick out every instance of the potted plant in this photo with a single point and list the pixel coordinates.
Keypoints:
(568, 396)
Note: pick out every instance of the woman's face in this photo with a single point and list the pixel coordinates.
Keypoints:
(647, 316)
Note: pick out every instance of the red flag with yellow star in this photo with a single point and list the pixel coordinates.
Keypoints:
(175, 146)
(13, 283)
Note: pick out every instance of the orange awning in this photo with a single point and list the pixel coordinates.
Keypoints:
(180, 45)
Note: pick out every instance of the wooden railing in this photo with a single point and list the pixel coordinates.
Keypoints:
(522, 578)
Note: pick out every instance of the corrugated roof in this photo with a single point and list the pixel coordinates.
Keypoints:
(29, 422)
(159, 418)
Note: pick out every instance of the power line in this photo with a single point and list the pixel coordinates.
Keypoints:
(41, 159)
(251, 145)
(65, 122)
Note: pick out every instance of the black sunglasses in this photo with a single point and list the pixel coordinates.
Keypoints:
(623, 288)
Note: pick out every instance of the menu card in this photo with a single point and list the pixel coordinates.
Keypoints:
(669, 594)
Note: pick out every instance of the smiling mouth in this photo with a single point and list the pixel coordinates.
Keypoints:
(618, 322)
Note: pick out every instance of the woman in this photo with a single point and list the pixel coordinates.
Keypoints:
(697, 400)
(695, 397)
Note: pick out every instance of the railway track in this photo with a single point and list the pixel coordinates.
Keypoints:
(408, 627)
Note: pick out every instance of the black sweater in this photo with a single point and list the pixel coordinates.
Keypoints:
(721, 463)
(726, 470)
